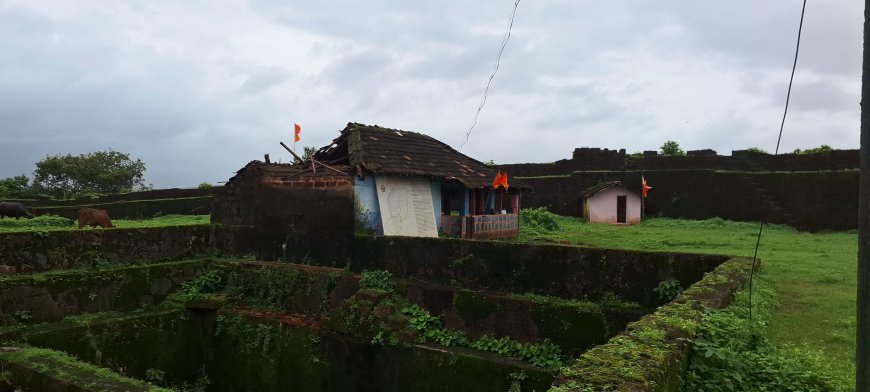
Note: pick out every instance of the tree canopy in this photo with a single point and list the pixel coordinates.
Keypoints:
(99, 172)
(672, 148)
(14, 187)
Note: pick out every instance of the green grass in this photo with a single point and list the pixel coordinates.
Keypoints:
(54, 223)
(814, 275)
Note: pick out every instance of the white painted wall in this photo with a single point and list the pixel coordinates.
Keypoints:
(602, 206)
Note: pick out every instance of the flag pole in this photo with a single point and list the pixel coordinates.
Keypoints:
(642, 198)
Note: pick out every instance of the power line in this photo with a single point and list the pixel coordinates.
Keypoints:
(504, 42)
(776, 152)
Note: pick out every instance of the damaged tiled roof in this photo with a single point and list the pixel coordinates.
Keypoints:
(391, 151)
(286, 170)
(602, 186)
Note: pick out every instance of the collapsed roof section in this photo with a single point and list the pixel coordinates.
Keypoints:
(378, 150)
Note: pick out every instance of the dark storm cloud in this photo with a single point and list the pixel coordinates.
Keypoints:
(198, 89)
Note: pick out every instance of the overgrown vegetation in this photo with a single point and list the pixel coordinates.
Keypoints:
(429, 329)
(424, 327)
(731, 353)
(813, 276)
(44, 222)
(51, 223)
(538, 220)
(377, 280)
(65, 367)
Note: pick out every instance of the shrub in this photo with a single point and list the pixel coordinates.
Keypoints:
(822, 148)
(377, 280)
(539, 219)
(43, 221)
(667, 290)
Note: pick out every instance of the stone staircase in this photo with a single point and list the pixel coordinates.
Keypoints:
(775, 211)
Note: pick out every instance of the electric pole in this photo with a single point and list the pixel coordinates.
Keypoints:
(862, 338)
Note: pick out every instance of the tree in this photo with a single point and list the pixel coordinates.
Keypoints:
(14, 187)
(672, 148)
(757, 150)
(822, 148)
(308, 153)
(98, 172)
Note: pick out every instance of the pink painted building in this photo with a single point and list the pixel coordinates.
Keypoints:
(611, 202)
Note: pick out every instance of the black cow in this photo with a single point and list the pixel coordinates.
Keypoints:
(13, 210)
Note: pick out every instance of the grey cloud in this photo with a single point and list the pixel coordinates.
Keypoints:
(198, 89)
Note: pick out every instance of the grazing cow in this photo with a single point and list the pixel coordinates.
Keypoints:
(13, 210)
(93, 217)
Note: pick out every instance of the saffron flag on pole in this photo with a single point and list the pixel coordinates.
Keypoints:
(298, 130)
(646, 187)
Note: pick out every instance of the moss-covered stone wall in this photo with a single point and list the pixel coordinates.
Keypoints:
(652, 354)
(51, 296)
(135, 209)
(571, 272)
(43, 370)
(44, 251)
(573, 325)
(259, 351)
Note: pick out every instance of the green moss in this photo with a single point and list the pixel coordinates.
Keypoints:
(579, 305)
(474, 306)
(58, 365)
(650, 353)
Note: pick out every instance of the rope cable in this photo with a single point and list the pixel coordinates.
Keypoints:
(504, 42)
(776, 152)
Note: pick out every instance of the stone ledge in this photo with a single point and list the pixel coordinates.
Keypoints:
(652, 354)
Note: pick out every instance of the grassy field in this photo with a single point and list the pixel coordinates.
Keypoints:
(814, 276)
(51, 223)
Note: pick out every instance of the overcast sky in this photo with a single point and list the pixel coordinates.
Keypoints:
(196, 89)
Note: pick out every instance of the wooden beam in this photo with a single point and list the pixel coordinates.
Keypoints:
(292, 153)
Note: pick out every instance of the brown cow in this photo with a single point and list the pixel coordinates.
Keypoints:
(93, 217)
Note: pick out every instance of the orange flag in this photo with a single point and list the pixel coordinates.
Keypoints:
(298, 131)
(646, 187)
(500, 180)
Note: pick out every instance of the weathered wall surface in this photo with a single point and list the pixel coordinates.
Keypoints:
(44, 251)
(806, 200)
(135, 209)
(293, 221)
(574, 326)
(53, 296)
(558, 270)
(156, 194)
(290, 211)
(603, 159)
(36, 369)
